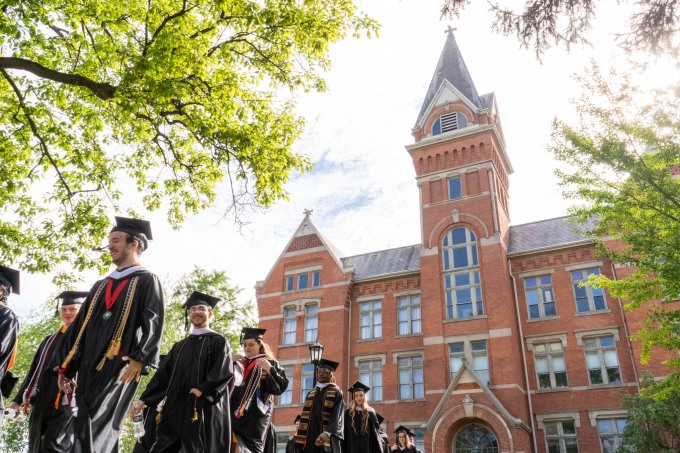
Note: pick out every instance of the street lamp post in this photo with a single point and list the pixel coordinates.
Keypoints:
(315, 353)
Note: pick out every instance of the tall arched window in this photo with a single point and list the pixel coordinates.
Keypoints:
(475, 439)
(462, 284)
(449, 122)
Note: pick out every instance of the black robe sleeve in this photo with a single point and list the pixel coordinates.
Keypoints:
(220, 373)
(276, 382)
(335, 426)
(146, 348)
(19, 398)
(9, 331)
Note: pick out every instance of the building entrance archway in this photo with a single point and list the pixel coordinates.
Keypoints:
(475, 438)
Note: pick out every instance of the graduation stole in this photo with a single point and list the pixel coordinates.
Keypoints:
(115, 344)
(252, 374)
(328, 402)
(32, 387)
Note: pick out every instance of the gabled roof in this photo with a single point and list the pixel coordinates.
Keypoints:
(557, 232)
(385, 262)
(451, 67)
(467, 371)
(307, 236)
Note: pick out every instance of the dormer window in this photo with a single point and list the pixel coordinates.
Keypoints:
(449, 122)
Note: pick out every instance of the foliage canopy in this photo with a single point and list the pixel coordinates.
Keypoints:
(622, 165)
(544, 23)
(170, 100)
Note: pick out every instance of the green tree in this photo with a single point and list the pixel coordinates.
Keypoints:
(620, 164)
(653, 417)
(544, 23)
(176, 102)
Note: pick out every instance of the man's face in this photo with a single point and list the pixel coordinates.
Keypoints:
(200, 315)
(323, 375)
(68, 313)
(119, 249)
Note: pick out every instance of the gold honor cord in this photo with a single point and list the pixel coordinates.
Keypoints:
(198, 380)
(159, 412)
(114, 347)
(73, 350)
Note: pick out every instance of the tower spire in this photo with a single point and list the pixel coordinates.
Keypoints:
(451, 67)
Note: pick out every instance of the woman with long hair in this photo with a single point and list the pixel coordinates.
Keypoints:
(404, 444)
(362, 423)
(258, 377)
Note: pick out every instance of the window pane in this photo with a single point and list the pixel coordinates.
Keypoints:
(607, 341)
(558, 363)
(303, 281)
(593, 360)
(604, 426)
(290, 283)
(544, 381)
(460, 257)
(541, 365)
(568, 428)
(459, 236)
(561, 379)
(549, 309)
(610, 359)
(551, 429)
(317, 278)
(613, 375)
(457, 347)
(455, 188)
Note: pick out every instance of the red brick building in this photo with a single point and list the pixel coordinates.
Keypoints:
(480, 336)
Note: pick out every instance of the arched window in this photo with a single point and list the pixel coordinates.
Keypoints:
(449, 122)
(462, 284)
(475, 439)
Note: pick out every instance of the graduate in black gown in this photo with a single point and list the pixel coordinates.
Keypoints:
(362, 423)
(9, 331)
(115, 335)
(290, 446)
(50, 422)
(404, 444)
(144, 444)
(321, 426)
(258, 377)
(190, 388)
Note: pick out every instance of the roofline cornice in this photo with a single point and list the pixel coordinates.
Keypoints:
(552, 247)
(465, 132)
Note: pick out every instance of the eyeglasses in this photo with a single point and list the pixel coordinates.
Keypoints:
(199, 308)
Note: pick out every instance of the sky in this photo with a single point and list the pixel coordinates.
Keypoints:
(362, 190)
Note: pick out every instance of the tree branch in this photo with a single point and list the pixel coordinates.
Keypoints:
(103, 91)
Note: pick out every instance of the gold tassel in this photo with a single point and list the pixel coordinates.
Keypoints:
(159, 415)
(116, 349)
(195, 417)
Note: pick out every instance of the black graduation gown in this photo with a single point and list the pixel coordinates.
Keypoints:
(290, 446)
(334, 426)
(202, 362)
(358, 442)
(253, 427)
(102, 400)
(49, 429)
(9, 331)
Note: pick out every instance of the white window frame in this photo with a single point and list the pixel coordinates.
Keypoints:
(289, 319)
(560, 436)
(469, 355)
(602, 358)
(372, 368)
(406, 363)
(306, 372)
(370, 317)
(412, 321)
(472, 270)
(311, 331)
(290, 373)
(575, 283)
(540, 290)
(550, 356)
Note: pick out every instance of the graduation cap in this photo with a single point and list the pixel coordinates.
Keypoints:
(329, 364)
(139, 229)
(71, 298)
(297, 418)
(251, 333)
(10, 277)
(358, 386)
(198, 298)
(405, 430)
